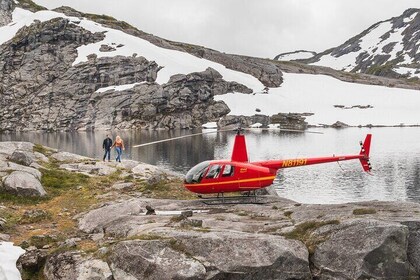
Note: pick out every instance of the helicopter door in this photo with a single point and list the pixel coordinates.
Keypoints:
(213, 172)
(227, 171)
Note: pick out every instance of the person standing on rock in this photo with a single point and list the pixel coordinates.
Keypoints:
(119, 147)
(106, 145)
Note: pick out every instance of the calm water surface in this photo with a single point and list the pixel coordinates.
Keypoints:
(395, 157)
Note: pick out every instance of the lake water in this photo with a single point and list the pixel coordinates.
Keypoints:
(395, 158)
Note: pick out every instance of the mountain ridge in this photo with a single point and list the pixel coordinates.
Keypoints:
(394, 50)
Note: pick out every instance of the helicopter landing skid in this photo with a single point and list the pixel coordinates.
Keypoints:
(248, 198)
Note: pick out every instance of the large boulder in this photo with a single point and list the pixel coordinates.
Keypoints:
(90, 168)
(413, 249)
(31, 261)
(153, 259)
(11, 166)
(66, 156)
(214, 255)
(8, 147)
(151, 172)
(364, 249)
(23, 157)
(71, 265)
(94, 269)
(23, 184)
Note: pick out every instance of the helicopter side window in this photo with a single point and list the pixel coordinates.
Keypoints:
(196, 173)
(213, 172)
(228, 171)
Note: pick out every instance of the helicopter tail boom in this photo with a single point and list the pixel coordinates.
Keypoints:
(363, 156)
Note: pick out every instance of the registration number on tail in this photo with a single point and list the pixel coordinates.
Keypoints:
(294, 162)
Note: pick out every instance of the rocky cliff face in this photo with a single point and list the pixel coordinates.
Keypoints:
(264, 70)
(42, 90)
(388, 48)
(6, 8)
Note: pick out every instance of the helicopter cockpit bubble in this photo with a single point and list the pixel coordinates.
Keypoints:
(197, 172)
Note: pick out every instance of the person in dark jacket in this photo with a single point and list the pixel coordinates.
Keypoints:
(107, 144)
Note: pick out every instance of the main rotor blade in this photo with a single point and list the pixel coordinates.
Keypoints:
(216, 131)
(184, 136)
(302, 131)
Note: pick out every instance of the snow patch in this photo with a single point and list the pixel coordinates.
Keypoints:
(410, 18)
(274, 126)
(209, 125)
(256, 125)
(8, 257)
(406, 70)
(118, 88)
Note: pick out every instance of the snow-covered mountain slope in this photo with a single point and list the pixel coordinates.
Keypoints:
(388, 48)
(118, 43)
(331, 100)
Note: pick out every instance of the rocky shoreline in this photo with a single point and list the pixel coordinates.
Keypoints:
(94, 222)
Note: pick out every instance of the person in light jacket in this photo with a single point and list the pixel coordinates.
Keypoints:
(119, 147)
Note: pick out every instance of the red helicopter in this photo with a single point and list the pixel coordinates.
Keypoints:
(240, 175)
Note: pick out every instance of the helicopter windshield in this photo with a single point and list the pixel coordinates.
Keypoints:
(196, 173)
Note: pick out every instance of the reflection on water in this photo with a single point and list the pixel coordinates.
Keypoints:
(395, 157)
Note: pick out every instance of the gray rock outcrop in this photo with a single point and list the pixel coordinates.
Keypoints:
(8, 147)
(18, 169)
(70, 157)
(284, 120)
(153, 260)
(6, 9)
(23, 157)
(22, 184)
(413, 250)
(32, 261)
(72, 265)
(212, 255)
(364, 249)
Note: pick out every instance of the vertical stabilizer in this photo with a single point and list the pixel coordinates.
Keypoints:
(239, 149)
(364, 151)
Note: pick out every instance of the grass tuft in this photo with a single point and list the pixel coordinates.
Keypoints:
(364, 211)
(288, 214)
(303, 232)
